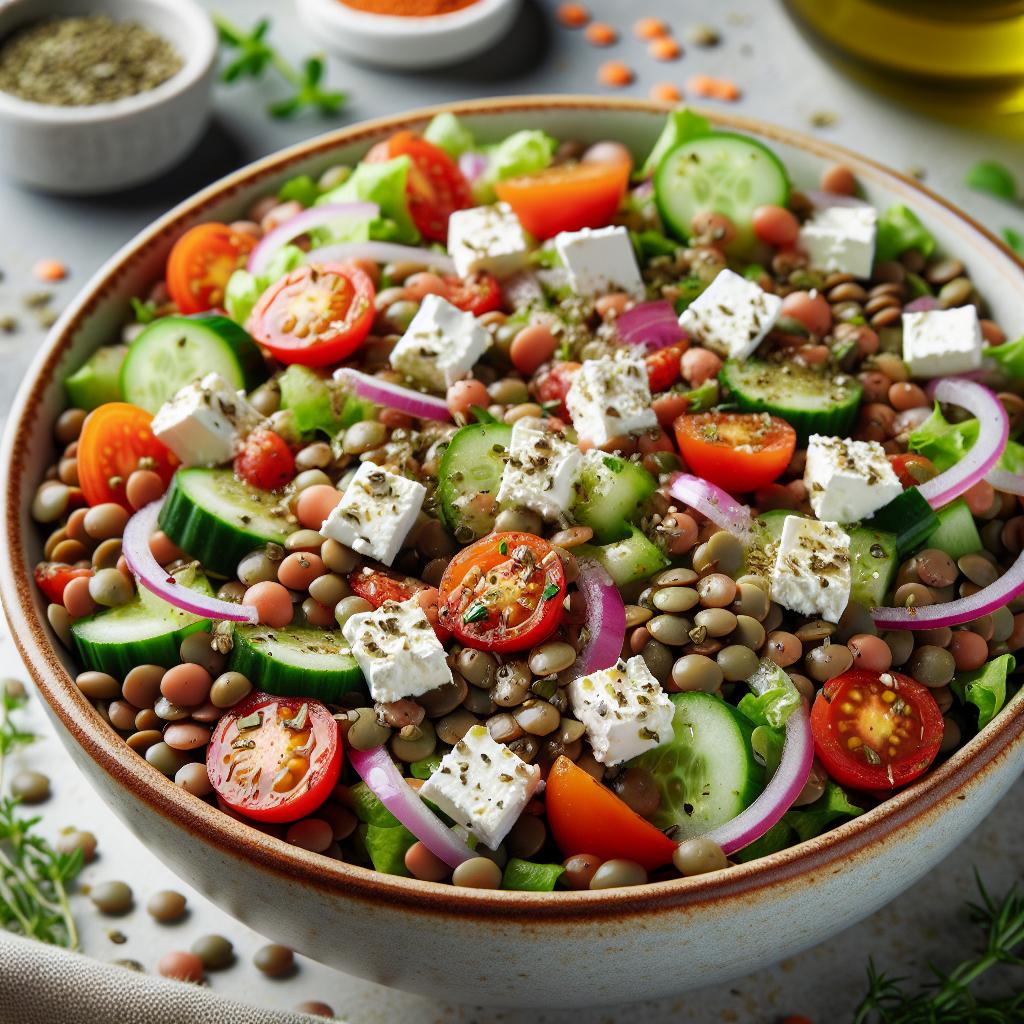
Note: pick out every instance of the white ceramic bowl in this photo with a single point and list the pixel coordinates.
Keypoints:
(404, 42)
(567, 949)
(109, 146)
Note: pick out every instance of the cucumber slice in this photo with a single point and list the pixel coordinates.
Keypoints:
(956, 533)
(218, 518)
(610, 492)
(909, 517)
(629, 560)
(296, 661)
(472, 464)
(99, 380)
(706, 773)
(810, 401)
(173, 351)
(727, 173)
(145, 631)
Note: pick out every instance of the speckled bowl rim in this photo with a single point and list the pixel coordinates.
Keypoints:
(814, 860)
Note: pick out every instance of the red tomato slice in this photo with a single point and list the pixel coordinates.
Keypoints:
(435, 189)
(52, 577)
(377, 586)
(114, 438)
(265, 768)
(503, 593)
(738, 451)
(317, 315)
(201, 262)
(265, 461)
(663, 367)
(566, 198)
(478, 294)
(913, 469)
(552, 385)
(586, 817)
(875, 731)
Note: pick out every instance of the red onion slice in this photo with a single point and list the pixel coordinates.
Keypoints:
(472, 165)
(378, 771)
(963, 609)
(993, 432)
(315, 217)
(149, 573)
(651, 324)
(922, 304)
(382, 252)
(1004, 480)
(714, 503)
(606, 620)
(394, 396)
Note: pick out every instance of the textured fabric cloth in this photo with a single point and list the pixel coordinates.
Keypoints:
(43, 985)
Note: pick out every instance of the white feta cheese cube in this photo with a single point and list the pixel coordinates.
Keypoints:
(942, 342)
(541, 471)
(482, 786)
(611, 396)
(731, 316)
(599, 261)
(848, 480)
(624, 709)
(206, 421)
(397, 650)
(487, 238)
(811, 574)
(441, 345)
(376, 512)
(841, 239)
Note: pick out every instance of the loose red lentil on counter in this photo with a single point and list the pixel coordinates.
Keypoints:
(511, 516)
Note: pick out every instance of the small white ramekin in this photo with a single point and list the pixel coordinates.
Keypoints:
(109, 146)
(403, 42)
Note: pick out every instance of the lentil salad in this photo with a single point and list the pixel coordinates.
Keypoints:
(356, 593)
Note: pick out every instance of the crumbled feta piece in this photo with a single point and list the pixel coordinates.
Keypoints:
(376, 512)
(397, 650)
(541, 471)
(848, 480)
(610, 397)
(624, 709)
(206, 421)
(811, 574)
(942, 342)
(600, 260)
(441, 345)
(732, 315)
(487, 238)
(841, 239)
(482, 786)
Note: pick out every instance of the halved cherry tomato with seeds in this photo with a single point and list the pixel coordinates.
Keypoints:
(275, 758)
(913, 469)
(663, 367)
(503, 593)
(201, 262)
(738, 451)
(875, 731)
(265, 461)
(116, 440)
(317, 315)
(552, 385)
(478, 294)
(377, 586)
(52, 577)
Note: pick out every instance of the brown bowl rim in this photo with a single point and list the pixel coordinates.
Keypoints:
(823, 855)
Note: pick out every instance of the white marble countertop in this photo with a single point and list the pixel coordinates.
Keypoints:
(783, 81)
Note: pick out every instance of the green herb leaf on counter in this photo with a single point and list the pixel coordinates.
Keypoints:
(992, 177)
(1015, 240)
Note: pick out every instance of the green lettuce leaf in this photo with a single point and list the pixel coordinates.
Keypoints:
(525, 876)
(985, 687)
(448, 133)
(302, 188)
(900, 229)
(774, 697)
(704, 397)
(384, 184)
(681, 126)
(244, 289)
(524, 152)
(316, 403)
(1009, 357)
(946, 443)
(649, 244)
(831, 808)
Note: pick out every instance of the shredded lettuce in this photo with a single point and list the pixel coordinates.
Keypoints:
(524, 152)
(946, 443)
(985, 687)
(317, 404)
(302, 188)
(774, 696)
(384, 184)
(1009, 357)
(681, 126)
(244, 289)
(525, 876)
(900, 229)
(649, 244)
(447, 132)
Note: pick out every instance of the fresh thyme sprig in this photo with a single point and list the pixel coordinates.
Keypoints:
(949, 999)
(253, 55)
(34, 877)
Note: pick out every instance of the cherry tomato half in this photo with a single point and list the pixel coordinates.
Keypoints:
(503, 593)
(272, 761)
(52, 577)
(875, 731)
(201, 262)
(115, 436)
(913, 469)
(552, 385)
(435, 188)
(586, 817)
(265, 461)
(478, 294)
(377, 586)
(317, 315)
(663, 368)
(738, 451)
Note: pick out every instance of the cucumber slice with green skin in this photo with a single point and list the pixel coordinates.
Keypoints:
(472, 464)
(296, 661)
(218, 518)
(610, 493)
(176, 350)
(145, 631)
(909, 517)
(956, 533)
(706, 773)
(626, 561)
(810, 401)
(99, 380)
(727, 173)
